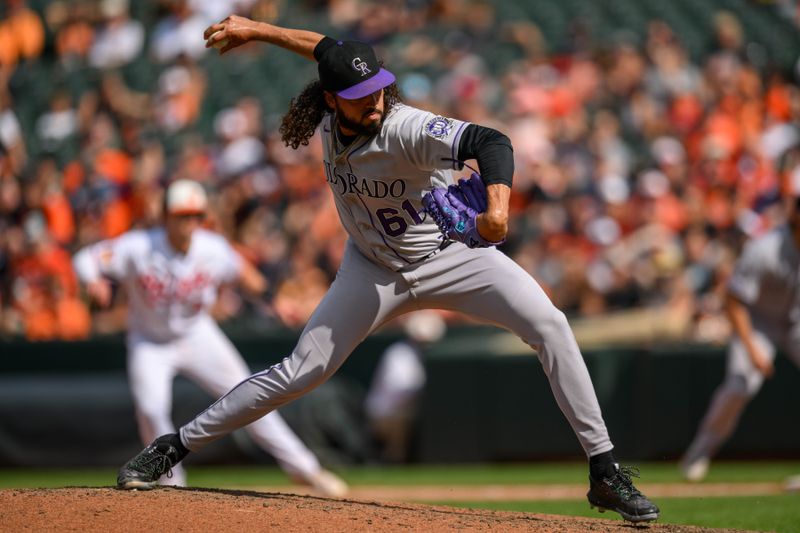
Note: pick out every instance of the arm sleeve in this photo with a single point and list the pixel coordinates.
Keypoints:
(492, 150)
(230, 262)
(745, 282)
(104, 258)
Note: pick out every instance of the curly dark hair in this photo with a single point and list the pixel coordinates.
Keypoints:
(307, 109)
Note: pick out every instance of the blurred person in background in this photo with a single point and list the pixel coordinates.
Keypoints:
(12, 142)
(44, 293)
(763, 306)
(172, 274)
(174, 33)
(37, 225)
(181, 88)
(119, 38)
(393, 396)
(22, 35)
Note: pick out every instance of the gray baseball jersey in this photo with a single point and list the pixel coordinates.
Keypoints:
(766, 279)
(378, 182)
(394, 264)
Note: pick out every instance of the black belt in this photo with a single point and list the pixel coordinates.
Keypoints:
(441, 247)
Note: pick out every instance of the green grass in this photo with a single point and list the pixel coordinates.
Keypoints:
(547, 473)
(512, 474)
(25, 478)
(779, 513)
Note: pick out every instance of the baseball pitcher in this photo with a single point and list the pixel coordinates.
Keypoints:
(417, 239)
(171, 275)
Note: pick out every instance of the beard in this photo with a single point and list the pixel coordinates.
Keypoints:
(357, 126)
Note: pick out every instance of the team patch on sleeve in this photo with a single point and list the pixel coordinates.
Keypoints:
(439, 127)
(106, 255)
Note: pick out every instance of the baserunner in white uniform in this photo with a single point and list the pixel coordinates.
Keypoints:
(763, 305)
(380, 158)
(171, 275)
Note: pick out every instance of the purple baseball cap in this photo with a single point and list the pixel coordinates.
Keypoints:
(350, 69)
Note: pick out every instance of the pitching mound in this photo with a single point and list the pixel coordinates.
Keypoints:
(201, 510)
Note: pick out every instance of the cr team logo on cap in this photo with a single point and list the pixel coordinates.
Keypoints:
(360, 66)
(350, 69)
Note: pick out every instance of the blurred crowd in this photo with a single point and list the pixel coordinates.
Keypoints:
(640, 169)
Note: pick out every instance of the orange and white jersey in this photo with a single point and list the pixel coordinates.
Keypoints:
(169, 292)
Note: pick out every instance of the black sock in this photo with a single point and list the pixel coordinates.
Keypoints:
(602, 465)
(175, 440)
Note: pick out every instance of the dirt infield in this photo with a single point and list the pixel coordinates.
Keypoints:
(201, 510)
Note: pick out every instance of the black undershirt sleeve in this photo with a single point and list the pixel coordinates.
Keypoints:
(492, 150)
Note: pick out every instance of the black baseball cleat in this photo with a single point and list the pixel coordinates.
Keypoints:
(144, 470)
(617, 493)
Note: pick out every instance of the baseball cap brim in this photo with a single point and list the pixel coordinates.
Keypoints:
(381, 80)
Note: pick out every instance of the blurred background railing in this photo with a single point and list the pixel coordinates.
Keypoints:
(484, 401)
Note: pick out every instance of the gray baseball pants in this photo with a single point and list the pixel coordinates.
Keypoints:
(482, 283)
(742, 382)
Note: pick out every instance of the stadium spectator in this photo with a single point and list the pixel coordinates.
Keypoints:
(119, 39)
(174, 35)
(21, 34)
